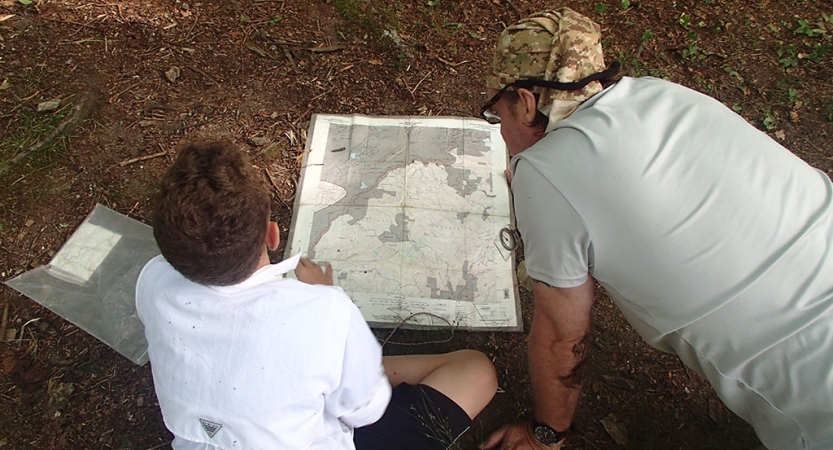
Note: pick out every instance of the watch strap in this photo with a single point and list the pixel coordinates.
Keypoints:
(546, 434)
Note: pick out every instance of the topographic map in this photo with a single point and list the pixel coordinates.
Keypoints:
(408, 211)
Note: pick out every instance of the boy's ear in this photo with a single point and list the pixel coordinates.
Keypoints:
(273, 236)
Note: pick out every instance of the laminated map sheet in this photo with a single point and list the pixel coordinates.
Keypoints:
(408, 211)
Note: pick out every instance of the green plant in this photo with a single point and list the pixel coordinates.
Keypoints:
(626, 4)
(690, 51)
(737, 108)
(818, 52)
(600, 8)
(647, 35)
(685, 20)
(275, 20)
(732, 72)
(769, 121)
(433, 3)
(29, 129)
(787, 55)
(804, 28)
(792, 94)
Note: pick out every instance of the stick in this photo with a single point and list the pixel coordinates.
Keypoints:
(277, 190)
(515, 8)
(82, 111)
(332, 48)
(449, 63)
(420, 82)
(142, 158)
(5, 323)
(303, 114)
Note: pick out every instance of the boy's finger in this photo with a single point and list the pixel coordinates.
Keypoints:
(329, 270)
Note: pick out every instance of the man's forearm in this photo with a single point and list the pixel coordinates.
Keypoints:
(558, 349)
(556, 371)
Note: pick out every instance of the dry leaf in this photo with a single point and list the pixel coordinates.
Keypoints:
(5, 17)
(172, 74)
(716, 412)
(781, 135)
(375, 62)
(9, 361)
(4, 85)
(50, 105)
(616, 429)
(794, 116)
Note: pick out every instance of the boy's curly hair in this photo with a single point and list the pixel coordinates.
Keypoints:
(211, 214)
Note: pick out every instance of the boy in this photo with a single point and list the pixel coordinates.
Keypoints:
(244, 358)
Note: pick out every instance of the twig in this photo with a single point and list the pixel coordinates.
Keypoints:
(514, 8)
(116, 95)
(401, 322)
(330, 49)
(201, 72)
(81, 111)
(288, 55)
(588, 442)
(5, 323)
(303, 114)
(420, 82)
(164, 444)
(449, 63)
(277, 190)
(322, 94)
(131, 209)
(142, 158)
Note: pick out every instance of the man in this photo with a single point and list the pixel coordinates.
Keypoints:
(714, 241)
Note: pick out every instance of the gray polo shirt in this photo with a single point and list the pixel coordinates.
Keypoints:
(714, 240)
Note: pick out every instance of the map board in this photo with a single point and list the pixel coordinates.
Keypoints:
(408, 211)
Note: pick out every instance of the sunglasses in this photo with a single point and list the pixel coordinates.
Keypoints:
(489, 115)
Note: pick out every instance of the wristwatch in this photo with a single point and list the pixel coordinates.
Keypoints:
(546, 434)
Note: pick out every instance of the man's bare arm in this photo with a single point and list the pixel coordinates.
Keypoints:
(558, 345)
(558, 349)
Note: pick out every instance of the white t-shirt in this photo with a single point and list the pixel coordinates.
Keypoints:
(714, 241)
(268, 363)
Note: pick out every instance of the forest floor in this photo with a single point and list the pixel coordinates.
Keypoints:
(122, 85)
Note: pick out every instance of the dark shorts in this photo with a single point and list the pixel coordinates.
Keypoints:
(418, 418)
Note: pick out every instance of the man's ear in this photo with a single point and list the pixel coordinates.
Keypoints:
(528, 105)
(273, 236)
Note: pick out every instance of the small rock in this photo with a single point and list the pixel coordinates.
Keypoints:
(173, 74)
(146, 123)
(50, 105)
(4, 85)
(140, 402)
(258, 141)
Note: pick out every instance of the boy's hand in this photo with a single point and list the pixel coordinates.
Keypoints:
(311, 273)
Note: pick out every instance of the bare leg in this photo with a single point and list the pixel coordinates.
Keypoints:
(465, 376)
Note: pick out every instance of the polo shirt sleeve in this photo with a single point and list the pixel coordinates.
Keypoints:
(364, 391)
(557, 245)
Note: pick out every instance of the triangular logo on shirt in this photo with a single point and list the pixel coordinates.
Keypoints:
(211, 428)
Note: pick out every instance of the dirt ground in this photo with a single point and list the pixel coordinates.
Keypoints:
(134, 80)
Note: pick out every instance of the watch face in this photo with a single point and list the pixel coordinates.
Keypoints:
(545, 434)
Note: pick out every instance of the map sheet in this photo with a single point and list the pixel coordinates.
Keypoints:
(408, 211)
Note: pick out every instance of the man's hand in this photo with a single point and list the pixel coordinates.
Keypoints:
(311, 273)
(516, 436)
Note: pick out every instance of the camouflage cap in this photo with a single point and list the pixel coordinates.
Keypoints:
(560, 45)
